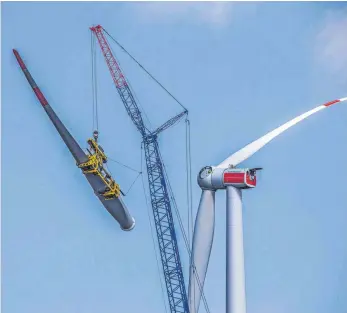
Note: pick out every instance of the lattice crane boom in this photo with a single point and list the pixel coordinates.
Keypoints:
(120, 81)
(158, 186)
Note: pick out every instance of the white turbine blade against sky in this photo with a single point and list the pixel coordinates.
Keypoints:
(254, 146)
(201, 248)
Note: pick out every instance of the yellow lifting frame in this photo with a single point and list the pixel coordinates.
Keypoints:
(94, 165)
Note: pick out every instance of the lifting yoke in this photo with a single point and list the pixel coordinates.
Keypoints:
(94, 165)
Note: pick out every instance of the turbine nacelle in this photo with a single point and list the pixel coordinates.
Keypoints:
(214, 178)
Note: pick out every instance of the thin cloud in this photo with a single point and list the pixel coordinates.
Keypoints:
(210, 13)
(331, 43)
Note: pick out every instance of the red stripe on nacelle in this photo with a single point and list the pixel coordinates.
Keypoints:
(234, 178)
(328, 104)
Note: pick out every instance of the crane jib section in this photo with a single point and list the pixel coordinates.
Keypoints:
(164, 225)
(158, 187)
(120, 81)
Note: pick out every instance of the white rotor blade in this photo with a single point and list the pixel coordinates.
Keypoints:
(254, 146)
(201, 248)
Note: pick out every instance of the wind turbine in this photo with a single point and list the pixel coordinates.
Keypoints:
(227, 176)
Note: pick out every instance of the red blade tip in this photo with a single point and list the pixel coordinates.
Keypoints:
(328, 104)
(19, 59)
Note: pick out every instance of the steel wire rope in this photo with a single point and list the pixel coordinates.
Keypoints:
(184, 236)
(94, 85)
(130, 168)
(189, 191)
(165, 173)
(189, 180)
(133, 92)
(144, 69)
(92, 81)
(132, 184)
(96, 90)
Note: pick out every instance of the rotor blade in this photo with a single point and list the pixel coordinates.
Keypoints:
(253, 147)
(201, 248)
(116, 206)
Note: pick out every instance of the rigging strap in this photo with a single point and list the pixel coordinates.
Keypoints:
(128, 167)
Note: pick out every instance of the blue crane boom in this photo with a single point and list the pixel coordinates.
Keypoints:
(158, 186)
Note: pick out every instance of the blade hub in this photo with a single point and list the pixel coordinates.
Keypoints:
(211, 178)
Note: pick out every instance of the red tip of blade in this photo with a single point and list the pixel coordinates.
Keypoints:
(19, 59)
(328, 104)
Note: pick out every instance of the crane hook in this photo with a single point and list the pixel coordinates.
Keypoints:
(95, 135)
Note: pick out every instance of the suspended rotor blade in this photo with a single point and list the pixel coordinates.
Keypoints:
(115, 207)
(254, 146)
(201, 248)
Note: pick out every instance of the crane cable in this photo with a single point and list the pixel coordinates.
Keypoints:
(190, 213)
(133, 93)
(128, 167)
(94, 85)
(188, 154)
(189, 194)
(189, 183)
(145, 70)
(189, 180)
(95, 114)
(184, 236)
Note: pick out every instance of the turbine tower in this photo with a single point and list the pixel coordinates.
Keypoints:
(227, 176)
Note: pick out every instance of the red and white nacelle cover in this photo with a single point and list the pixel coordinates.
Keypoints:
(243, 178)
(214, 178)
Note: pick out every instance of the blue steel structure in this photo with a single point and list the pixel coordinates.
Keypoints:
(158, 186)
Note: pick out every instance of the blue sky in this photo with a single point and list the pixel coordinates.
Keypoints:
(242, 69)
